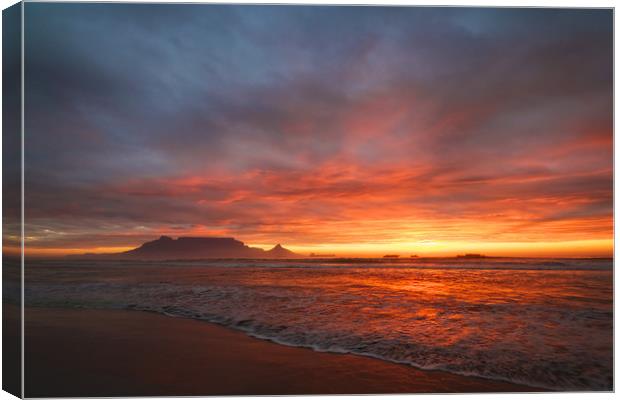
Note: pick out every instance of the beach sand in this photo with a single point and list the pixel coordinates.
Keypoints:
(78, 352)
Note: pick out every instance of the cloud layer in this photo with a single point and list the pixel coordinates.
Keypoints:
(317, 125)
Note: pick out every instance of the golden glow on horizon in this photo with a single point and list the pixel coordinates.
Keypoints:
(576, 248)
(54, 252)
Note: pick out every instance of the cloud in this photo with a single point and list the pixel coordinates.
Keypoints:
(317, 124)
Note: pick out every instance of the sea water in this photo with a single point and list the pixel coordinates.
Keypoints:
(541, 322)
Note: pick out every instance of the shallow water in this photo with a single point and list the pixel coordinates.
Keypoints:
(546, 323)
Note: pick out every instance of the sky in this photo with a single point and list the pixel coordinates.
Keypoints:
(346, 130)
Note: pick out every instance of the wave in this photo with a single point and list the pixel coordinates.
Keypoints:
(550, 329)
(430, 359)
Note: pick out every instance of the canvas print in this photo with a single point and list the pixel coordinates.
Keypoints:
(233, 199)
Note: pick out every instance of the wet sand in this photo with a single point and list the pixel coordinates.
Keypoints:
(78, 352)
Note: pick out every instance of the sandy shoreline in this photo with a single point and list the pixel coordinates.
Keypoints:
(79, 352)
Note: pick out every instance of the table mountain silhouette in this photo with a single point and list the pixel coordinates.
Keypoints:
(167, 248)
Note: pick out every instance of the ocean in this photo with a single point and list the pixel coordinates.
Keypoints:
(547, 323)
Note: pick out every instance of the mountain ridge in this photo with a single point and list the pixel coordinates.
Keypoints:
(195, 247)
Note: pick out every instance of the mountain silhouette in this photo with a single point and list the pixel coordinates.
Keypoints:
(167, 248)
(280, 252)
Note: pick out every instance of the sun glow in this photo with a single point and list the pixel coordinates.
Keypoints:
(576, 248)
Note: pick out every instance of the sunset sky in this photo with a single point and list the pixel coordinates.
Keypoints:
(348, 130)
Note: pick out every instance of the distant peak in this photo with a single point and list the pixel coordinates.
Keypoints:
(281, 252)
(165, 238)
